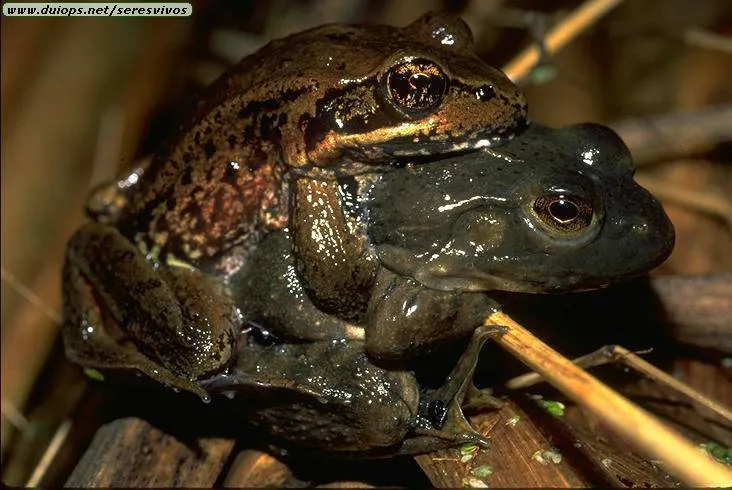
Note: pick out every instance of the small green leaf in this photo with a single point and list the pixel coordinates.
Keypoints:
(482, 471)
(466, 457)
(471, 482)
(513, 421)
(552, 454)
(543, 74)
(554, 408)
(718, 452)
(94, 374)
(546, 456)
(539, 457)
(468, 449)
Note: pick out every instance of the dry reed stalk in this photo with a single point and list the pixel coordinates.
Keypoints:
(675, 135)
(570, 27)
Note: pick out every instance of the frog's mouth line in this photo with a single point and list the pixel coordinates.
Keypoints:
(437, 275)
(476, 281)
(395, 154)
(473, 281)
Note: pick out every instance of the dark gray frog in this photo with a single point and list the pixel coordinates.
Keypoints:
(557, 210)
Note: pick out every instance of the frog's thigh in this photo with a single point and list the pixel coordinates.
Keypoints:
(404, 318)
(103, 270)
(331, 256)
(325, 395)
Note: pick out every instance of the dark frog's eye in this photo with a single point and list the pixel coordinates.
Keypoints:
(415, 86)
(563, 213)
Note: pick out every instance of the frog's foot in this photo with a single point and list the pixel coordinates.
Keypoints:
(119, 358)
(460, 381)
(90, 346)
(445, 410)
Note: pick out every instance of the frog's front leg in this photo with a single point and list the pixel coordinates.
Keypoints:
(181, 326)
(405, 318)
(444, 405)
(331, 256)
(106, 201)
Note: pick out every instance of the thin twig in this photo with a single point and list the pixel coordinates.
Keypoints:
(654, 439)
(13, 415)
(641, 365)
(619, 354)
(574, 24)
(691, 199)
(708, 40)
(30, 296)
(675, 135)
(49, 454)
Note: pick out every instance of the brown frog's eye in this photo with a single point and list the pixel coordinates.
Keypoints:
(564, 213)
(416, 85)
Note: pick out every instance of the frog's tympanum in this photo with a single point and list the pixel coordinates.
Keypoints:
(307, 233)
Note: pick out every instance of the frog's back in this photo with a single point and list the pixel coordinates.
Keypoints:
(307, 101)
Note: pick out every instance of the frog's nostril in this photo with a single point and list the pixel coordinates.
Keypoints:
(639, 227)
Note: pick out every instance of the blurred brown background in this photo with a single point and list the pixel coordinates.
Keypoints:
(84, 98)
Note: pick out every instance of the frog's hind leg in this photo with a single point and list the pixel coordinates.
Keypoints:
(91, 278)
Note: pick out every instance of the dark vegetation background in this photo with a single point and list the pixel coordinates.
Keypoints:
(84, 98)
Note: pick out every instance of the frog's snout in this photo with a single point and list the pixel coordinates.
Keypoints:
(652, 234)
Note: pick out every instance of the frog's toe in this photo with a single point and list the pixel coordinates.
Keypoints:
(477, 400)
(485, 332)
(120, 360)
(427, 439)
(474, 437)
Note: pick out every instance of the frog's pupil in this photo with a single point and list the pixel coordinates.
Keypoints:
(416, 84)
(420, 81)
(420, 89)
(563, 210)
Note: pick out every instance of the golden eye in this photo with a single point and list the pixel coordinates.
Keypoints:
(564, 213)
(416, 85)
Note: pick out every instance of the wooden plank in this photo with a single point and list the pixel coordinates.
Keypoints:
(521, 434)
(509, 456)
(130, 452)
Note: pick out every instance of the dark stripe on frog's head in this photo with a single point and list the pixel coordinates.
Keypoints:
(358, 120)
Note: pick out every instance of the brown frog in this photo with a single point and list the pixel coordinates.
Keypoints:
(145, 283)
